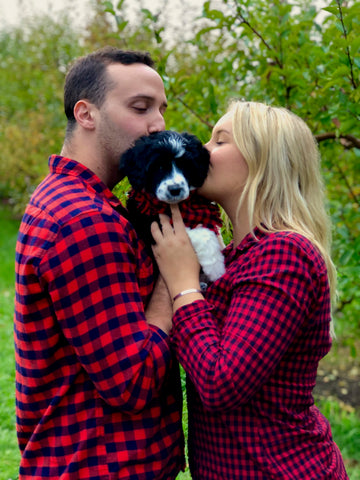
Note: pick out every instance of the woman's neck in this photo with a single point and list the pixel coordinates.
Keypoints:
(240, 223)
(239, 233)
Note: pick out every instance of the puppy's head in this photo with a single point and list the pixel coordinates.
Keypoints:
(166, 164)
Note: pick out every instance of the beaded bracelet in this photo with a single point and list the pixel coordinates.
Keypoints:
(185, 292)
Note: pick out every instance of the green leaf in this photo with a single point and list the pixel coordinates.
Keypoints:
(108, 7)
(332, 10)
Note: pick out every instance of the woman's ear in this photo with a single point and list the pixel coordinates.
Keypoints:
(84, 113)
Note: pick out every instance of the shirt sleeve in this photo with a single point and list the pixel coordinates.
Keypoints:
(228, 360)
(91, 274)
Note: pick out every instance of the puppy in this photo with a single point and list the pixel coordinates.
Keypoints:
(166, 168)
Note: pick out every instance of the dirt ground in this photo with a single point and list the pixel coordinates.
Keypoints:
(339, 377)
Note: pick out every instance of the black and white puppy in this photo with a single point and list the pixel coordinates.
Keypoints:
(166, 168)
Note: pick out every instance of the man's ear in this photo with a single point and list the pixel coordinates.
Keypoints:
(84, 113)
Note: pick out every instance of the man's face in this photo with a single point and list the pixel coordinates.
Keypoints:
(134, 107)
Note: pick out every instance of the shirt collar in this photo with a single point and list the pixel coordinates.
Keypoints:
(247, 242)
(67, 166)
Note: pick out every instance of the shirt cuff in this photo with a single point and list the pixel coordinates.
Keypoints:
(158, 330)
(186, 312)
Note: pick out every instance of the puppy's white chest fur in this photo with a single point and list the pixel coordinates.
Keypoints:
(208, 250)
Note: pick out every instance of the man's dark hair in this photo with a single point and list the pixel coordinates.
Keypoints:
(87, 77)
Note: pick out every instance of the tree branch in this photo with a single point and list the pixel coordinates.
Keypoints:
(348, 186)
(351, 141)
(202, 120)
(352, 78)
(325, 136)
(246, 22)
(343, 303)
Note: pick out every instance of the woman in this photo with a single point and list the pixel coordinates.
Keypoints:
(251, 347)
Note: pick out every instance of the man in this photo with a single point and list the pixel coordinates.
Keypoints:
(97, 391)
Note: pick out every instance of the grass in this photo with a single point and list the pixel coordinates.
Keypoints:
(345, 423)
(345, 426)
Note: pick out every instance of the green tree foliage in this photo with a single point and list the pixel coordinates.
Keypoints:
(284, 54)
(33, 61)
(276, 52)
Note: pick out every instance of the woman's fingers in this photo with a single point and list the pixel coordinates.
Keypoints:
(155, 231)
(177, 218)
(165, 224)
(166, 228)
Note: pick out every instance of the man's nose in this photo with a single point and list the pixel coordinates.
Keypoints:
(157, 125)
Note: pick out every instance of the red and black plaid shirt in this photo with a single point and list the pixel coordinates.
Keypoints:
(252, 349)
(195, 210)
(98, 394)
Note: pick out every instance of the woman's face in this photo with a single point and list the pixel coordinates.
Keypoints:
(228, 170)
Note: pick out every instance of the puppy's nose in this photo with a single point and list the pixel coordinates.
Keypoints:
(175, 191)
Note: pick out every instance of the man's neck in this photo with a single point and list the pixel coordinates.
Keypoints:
(87, 157)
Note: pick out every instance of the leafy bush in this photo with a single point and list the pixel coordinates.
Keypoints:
(274, 52)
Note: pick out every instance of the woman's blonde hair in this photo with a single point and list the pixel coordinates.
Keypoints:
(284, 189)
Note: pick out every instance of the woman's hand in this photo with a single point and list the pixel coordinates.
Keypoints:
(174, 253)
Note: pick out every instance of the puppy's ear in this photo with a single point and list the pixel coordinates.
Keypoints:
(199, 157)
(132, 163)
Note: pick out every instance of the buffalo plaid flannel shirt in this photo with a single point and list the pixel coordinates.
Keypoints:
(98, 394)
(251, 352)
(195, 210)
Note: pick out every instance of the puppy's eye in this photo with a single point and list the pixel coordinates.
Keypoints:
(154, 169)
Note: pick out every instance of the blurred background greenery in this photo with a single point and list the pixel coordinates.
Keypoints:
(298, 56)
